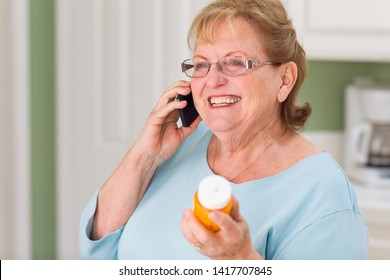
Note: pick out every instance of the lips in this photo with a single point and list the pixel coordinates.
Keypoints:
(223, 101)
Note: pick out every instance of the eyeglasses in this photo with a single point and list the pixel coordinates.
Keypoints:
(229, 65)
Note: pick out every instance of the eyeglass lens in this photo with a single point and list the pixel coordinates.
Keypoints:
(231, 65)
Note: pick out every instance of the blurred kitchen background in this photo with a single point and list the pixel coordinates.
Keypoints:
(79, 77)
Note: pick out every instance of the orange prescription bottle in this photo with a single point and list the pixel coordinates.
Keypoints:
(214, 194)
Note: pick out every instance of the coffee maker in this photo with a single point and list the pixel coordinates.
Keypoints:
(367, 140)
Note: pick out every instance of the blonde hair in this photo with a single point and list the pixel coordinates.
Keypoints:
(269, 18)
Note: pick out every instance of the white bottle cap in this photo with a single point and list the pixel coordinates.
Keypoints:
(214, 192)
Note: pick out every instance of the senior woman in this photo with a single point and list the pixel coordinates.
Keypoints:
(291, 200)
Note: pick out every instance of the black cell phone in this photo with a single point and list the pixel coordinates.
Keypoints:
(188, 114)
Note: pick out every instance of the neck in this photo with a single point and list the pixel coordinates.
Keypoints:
(247, 141)
(232, 156)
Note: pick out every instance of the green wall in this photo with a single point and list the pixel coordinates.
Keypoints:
(324, 89)
(42, 28)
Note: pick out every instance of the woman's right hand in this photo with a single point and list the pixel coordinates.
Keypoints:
(160, 136)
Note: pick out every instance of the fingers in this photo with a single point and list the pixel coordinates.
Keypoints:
(180, 83)
(216, 245)
(160, 113)
(196, 234)
(185, 131)
(187, 233)
(232, 241)
(180, 87)
(168, 104)
(165, 110)
(227, 222)
(224, 221)
(192, 229)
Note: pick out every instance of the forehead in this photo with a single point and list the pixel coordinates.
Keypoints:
(226, 36)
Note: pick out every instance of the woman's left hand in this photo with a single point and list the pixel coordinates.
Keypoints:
(231, 242)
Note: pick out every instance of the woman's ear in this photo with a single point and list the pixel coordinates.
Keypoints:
(289, 77)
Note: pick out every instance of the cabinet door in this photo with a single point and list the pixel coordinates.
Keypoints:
(343, 29)
(115, 59)
(378, 222)
(15, 120)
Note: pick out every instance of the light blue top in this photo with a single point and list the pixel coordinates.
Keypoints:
(308, 211)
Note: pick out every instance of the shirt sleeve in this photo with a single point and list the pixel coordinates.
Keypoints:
(339, 236)
(105, 248)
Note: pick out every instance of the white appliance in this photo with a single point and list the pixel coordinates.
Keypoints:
(367, 140)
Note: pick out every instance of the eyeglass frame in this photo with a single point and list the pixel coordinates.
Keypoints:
(249, 64)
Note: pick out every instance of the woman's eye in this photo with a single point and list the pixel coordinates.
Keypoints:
(201, 65)
(236, 62)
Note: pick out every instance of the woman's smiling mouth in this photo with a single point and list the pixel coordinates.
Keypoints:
(223, 101)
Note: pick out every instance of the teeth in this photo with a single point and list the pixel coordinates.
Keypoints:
(222, 101)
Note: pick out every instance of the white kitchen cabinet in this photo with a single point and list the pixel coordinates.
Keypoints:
(375, 207)
(357, 30)
(114, 60)
(15, 131)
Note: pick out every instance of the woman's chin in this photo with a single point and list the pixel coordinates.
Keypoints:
(220, 124)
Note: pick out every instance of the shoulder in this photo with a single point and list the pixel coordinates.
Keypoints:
(314, 162)
(323, 169)
(299, 148)
(323, 172)
(318, 185)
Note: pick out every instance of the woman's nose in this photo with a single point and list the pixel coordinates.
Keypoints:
(214, 77)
